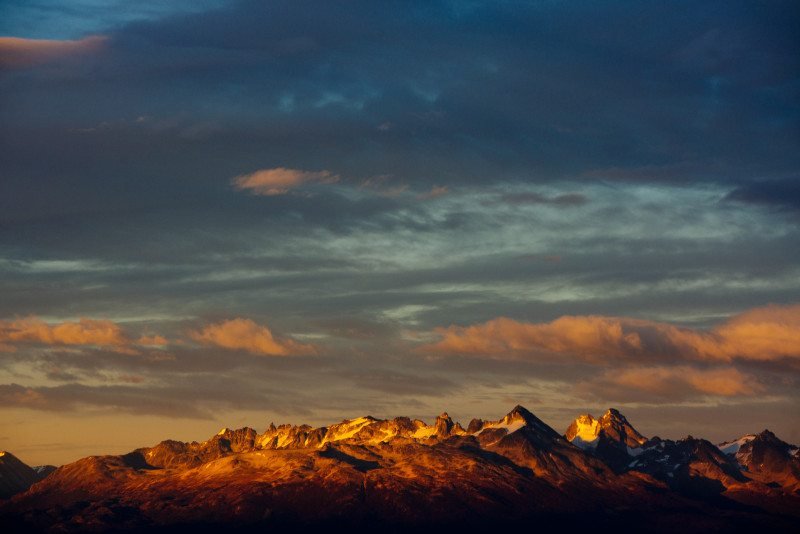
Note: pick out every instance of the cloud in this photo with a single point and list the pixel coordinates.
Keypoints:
(436, 191)
(778, 194)
(768, 333)
(152, 340)
(95, 332)
(244, 334)
(673, 383)
(100, 333)
(566, 200)
(16, 52)
(384, 185)
(130, 399)
(280, 180)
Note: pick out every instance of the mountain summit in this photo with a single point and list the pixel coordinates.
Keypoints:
(611, 437)
(586, 431)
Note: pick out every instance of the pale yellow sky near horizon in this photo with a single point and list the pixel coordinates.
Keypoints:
(60, 438)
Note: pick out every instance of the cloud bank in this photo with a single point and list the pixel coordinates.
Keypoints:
(768, 333)
(670, 384)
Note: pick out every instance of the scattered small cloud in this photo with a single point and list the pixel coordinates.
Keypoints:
(280, 180)
(383, 185)
(17, 52)
(95, 332)
(436, 191)
(83, 333)
(246, 335)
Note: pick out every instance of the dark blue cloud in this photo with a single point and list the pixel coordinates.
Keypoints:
(777, 194)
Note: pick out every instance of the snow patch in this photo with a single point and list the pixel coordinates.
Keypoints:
(510, 426)
(347, 429)
(636, 451)
(732, 447)
(424, 432)
(583, 444)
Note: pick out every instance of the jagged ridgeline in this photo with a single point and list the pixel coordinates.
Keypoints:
(404, 473)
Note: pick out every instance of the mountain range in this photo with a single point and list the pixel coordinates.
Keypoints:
(402, 473)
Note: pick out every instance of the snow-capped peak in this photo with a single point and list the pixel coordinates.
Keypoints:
(732, 447)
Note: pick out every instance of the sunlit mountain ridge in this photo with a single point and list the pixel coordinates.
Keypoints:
(403, 472)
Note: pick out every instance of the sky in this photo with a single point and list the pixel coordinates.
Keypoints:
(226, 213)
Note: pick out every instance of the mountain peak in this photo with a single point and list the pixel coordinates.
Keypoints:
(520, 412)
(612, 414)
(583, 431)
(586, 431)
(766, 434)
(444, 425)
(15, 475)
(617, 427)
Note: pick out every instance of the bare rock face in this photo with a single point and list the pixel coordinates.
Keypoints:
(401, 473)
(475, 426)
(616, 428)
(444, 425)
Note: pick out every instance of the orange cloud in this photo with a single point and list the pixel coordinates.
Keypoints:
(765, 333)
(84, 332)
(16, 52)
(674, 382)
(244, 334)
(278, 181)
(436, 191)
(768, 333)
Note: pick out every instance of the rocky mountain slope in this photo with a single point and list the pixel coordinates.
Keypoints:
(766, 458)
(403, 473)
(16, 476)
